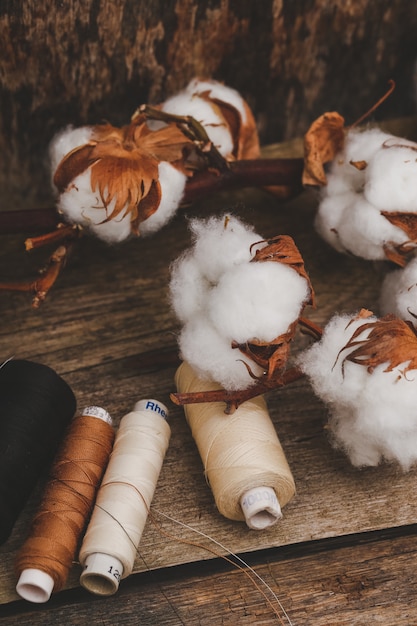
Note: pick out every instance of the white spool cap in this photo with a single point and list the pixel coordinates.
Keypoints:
(260, 507)
(153, 406)
(99, 412)
(35, 585)
(101, 574)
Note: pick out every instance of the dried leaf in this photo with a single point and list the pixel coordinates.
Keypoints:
(397, 253)
(282, 249)
(271, 356)
(406, 221)
(391, 340)
(322, 142)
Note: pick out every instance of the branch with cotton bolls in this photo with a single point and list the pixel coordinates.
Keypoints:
(240, 299)
(115, 183)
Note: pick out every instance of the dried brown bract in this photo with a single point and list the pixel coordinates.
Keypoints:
(387, 341)
(322, 142)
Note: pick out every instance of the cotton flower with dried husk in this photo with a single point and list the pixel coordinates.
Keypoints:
(115, 182)
(369, 191)
(112, 181)
(224, 114)
(365, 370)
(239, 299)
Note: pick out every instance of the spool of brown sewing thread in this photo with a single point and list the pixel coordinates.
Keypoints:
(243, 459)
(44, 561)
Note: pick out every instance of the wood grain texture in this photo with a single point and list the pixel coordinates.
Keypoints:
(370, 582)
(87, 61)
(107, 328)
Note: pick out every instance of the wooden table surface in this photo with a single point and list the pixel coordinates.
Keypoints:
(345, 551)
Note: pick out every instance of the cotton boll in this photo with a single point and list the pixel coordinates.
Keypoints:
(322, 362)
(363, 231)
(392, 177)
(66, 141)
(80, 205)
(189, 103)
(399, 292)
(172, 183)
(212, 357)
(359, 146)
(257, 300)
(188, 287)
(220, 243)
(372, 414)
(329, 216)
(219, 91)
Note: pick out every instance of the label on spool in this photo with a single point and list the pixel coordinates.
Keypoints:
(101, 574)
(152, 405)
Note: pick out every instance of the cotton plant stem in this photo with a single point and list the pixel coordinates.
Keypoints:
(283, 173)
(233, 399)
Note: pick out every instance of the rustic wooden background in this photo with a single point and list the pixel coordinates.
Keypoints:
(346, 549)
(86, 61)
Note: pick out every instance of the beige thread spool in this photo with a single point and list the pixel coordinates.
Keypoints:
(110, 544)
(243, 459)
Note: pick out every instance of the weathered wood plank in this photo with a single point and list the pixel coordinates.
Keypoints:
(367, 583)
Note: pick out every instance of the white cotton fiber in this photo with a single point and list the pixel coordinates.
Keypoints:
(221, 296)
(363, 231)
(257, 300)
(188, 287)
(221, 242)
(210, 355)
(372, 416)
(329, 216)
(80, 205)
(65, 141)
(399, 293)
(172, 183)
(365, 179)
(219, 91)
(359, 146)
(391, 181)
(190, 103)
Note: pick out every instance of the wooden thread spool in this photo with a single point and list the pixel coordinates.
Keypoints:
(110, 544)
(244, 462)
(46, 557)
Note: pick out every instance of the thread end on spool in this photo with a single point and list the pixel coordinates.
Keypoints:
(35, 585)
(260, 507)
(153, 406)
(101, 574)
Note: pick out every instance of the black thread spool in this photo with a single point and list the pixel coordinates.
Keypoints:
(36, 405)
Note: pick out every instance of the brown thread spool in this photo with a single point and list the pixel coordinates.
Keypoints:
(44, 561)
(243, 459)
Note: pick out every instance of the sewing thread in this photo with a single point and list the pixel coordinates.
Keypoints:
(44, 560)
(110, 544)
(242, 456)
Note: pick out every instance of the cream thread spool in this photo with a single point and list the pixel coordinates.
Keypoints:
(243, 459)
(113, 535)
(37, 585)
